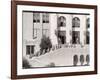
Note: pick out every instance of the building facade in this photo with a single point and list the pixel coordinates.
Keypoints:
(71, 29)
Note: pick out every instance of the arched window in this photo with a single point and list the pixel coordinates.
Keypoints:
(61, 21)
(76, 22)
(88, 22)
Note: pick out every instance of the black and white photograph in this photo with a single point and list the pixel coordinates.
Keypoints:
(54, 39)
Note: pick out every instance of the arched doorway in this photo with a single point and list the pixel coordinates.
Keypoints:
(62, 37)
(75, 37)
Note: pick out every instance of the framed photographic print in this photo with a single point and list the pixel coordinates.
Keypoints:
(53, 39)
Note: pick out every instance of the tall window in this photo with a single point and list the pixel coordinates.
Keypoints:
(76, 22)
(29, 49)
(88, 23)
(62, 21)
(36, 17)
(35, 30)
(87, 37)
(45, 17)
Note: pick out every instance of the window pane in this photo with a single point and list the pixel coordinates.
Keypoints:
(87, 37)
(45, 18)
(32, 49)
(61, 21)
(76, 22)
(34, 17)
(38, 17)
(34, 33)
(88, 23)
(27, 50)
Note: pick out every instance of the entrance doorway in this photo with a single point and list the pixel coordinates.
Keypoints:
(62, 37)
(75, 37)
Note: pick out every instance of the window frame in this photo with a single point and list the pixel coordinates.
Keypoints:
(75, 23)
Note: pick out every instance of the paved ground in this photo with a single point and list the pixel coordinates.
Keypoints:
(60, 57)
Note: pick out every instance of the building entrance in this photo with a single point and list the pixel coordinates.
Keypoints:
(62, 37)
(75, 37)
